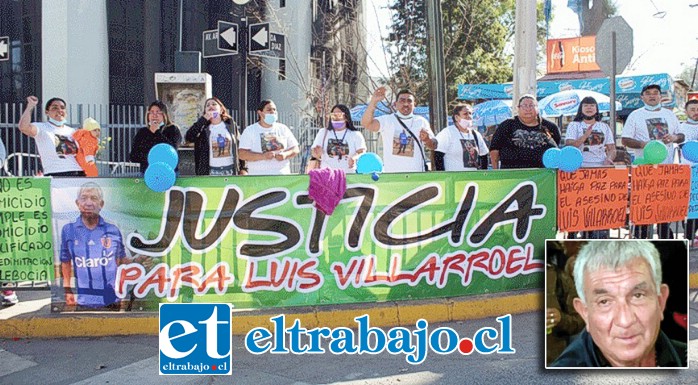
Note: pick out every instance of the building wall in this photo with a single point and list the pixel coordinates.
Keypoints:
(290, 95)
(75, 55)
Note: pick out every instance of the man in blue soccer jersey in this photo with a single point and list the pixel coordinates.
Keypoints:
(91, 250)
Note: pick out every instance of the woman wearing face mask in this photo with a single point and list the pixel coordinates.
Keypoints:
(460, 146)
(215, 136)
(267, 146)
(159, 130)
(54, 139)
(340, 144)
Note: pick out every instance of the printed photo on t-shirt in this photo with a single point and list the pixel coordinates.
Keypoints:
(336, 148)
(403, 144)
(220, 146)
(595, 139)
(657, 128)
(470, 152)
(531, 139)
(65, 146)
(270, 142)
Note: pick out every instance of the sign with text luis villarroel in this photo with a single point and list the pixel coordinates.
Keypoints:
(195, 339)
(259, 242)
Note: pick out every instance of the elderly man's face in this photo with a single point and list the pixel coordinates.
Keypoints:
(89, 202)
(623, 312)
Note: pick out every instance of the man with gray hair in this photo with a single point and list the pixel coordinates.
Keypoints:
(91, 250)
(622, 300)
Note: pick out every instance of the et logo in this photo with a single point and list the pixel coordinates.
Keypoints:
(195, 338)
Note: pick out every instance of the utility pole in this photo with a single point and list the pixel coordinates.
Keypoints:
(694, 73)
(524, 50)
(242, 74)
(437, 71)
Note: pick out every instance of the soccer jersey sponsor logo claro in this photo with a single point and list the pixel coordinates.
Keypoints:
(92, 262)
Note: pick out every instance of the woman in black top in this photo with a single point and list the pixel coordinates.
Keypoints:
(521, 141)
(159, 130)
(215, 136)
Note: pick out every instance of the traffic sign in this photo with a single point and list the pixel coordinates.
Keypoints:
(227, 36)
(624, 45)
(4, 48)
(259, 37)
(277, 47)
(210, 45)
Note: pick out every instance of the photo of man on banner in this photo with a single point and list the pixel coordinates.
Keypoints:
(90, 251)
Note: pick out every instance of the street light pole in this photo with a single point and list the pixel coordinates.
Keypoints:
(242, 78)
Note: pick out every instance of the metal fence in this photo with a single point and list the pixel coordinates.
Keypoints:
(120, 123)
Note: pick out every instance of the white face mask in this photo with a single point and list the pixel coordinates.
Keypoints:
(465, 123)
(401, 116)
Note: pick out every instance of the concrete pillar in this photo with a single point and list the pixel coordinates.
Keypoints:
(524, 50)
(75, 52)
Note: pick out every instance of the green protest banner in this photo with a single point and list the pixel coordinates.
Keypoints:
(26, 235)
(259, 242)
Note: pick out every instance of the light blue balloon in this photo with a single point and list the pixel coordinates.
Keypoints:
(690, 151)
(551, 157)
(165, 153)
(159, 176)
(570, 159)
(369, 163)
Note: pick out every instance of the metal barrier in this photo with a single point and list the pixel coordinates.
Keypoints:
(127, 169)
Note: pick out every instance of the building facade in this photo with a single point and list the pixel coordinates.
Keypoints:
(107, 52)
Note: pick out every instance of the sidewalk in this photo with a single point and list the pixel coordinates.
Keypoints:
(32, 317)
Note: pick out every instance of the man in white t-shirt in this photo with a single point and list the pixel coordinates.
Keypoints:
(651, 122)
(406, 136)
(54, 139)
(268, 145)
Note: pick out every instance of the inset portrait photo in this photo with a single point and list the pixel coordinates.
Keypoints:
(619, 303)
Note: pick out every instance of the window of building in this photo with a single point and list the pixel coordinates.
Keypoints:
(282, 69)
(20, 75)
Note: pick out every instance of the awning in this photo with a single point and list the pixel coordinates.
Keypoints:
(628, 89)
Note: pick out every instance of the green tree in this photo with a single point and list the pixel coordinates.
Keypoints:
(688, 74)
(476, 33)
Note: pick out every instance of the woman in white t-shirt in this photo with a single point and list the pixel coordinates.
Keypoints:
(595, 139)
(215, 136)
(54, 139)
(340, 144)
(268, 146)
(460, 147)
(592, 136)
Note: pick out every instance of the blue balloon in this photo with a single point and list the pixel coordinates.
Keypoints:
(570, 159)
(690, 151)
(551, 157)
(369, 163)
(164, 153)
(159, 176)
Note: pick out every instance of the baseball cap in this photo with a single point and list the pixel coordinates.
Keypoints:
(650, 86)
(90, 125)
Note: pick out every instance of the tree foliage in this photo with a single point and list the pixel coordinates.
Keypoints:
(475, 35)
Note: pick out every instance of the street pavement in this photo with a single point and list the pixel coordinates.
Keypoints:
(134, 360)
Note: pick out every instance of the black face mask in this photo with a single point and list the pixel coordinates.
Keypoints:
(589, 117)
